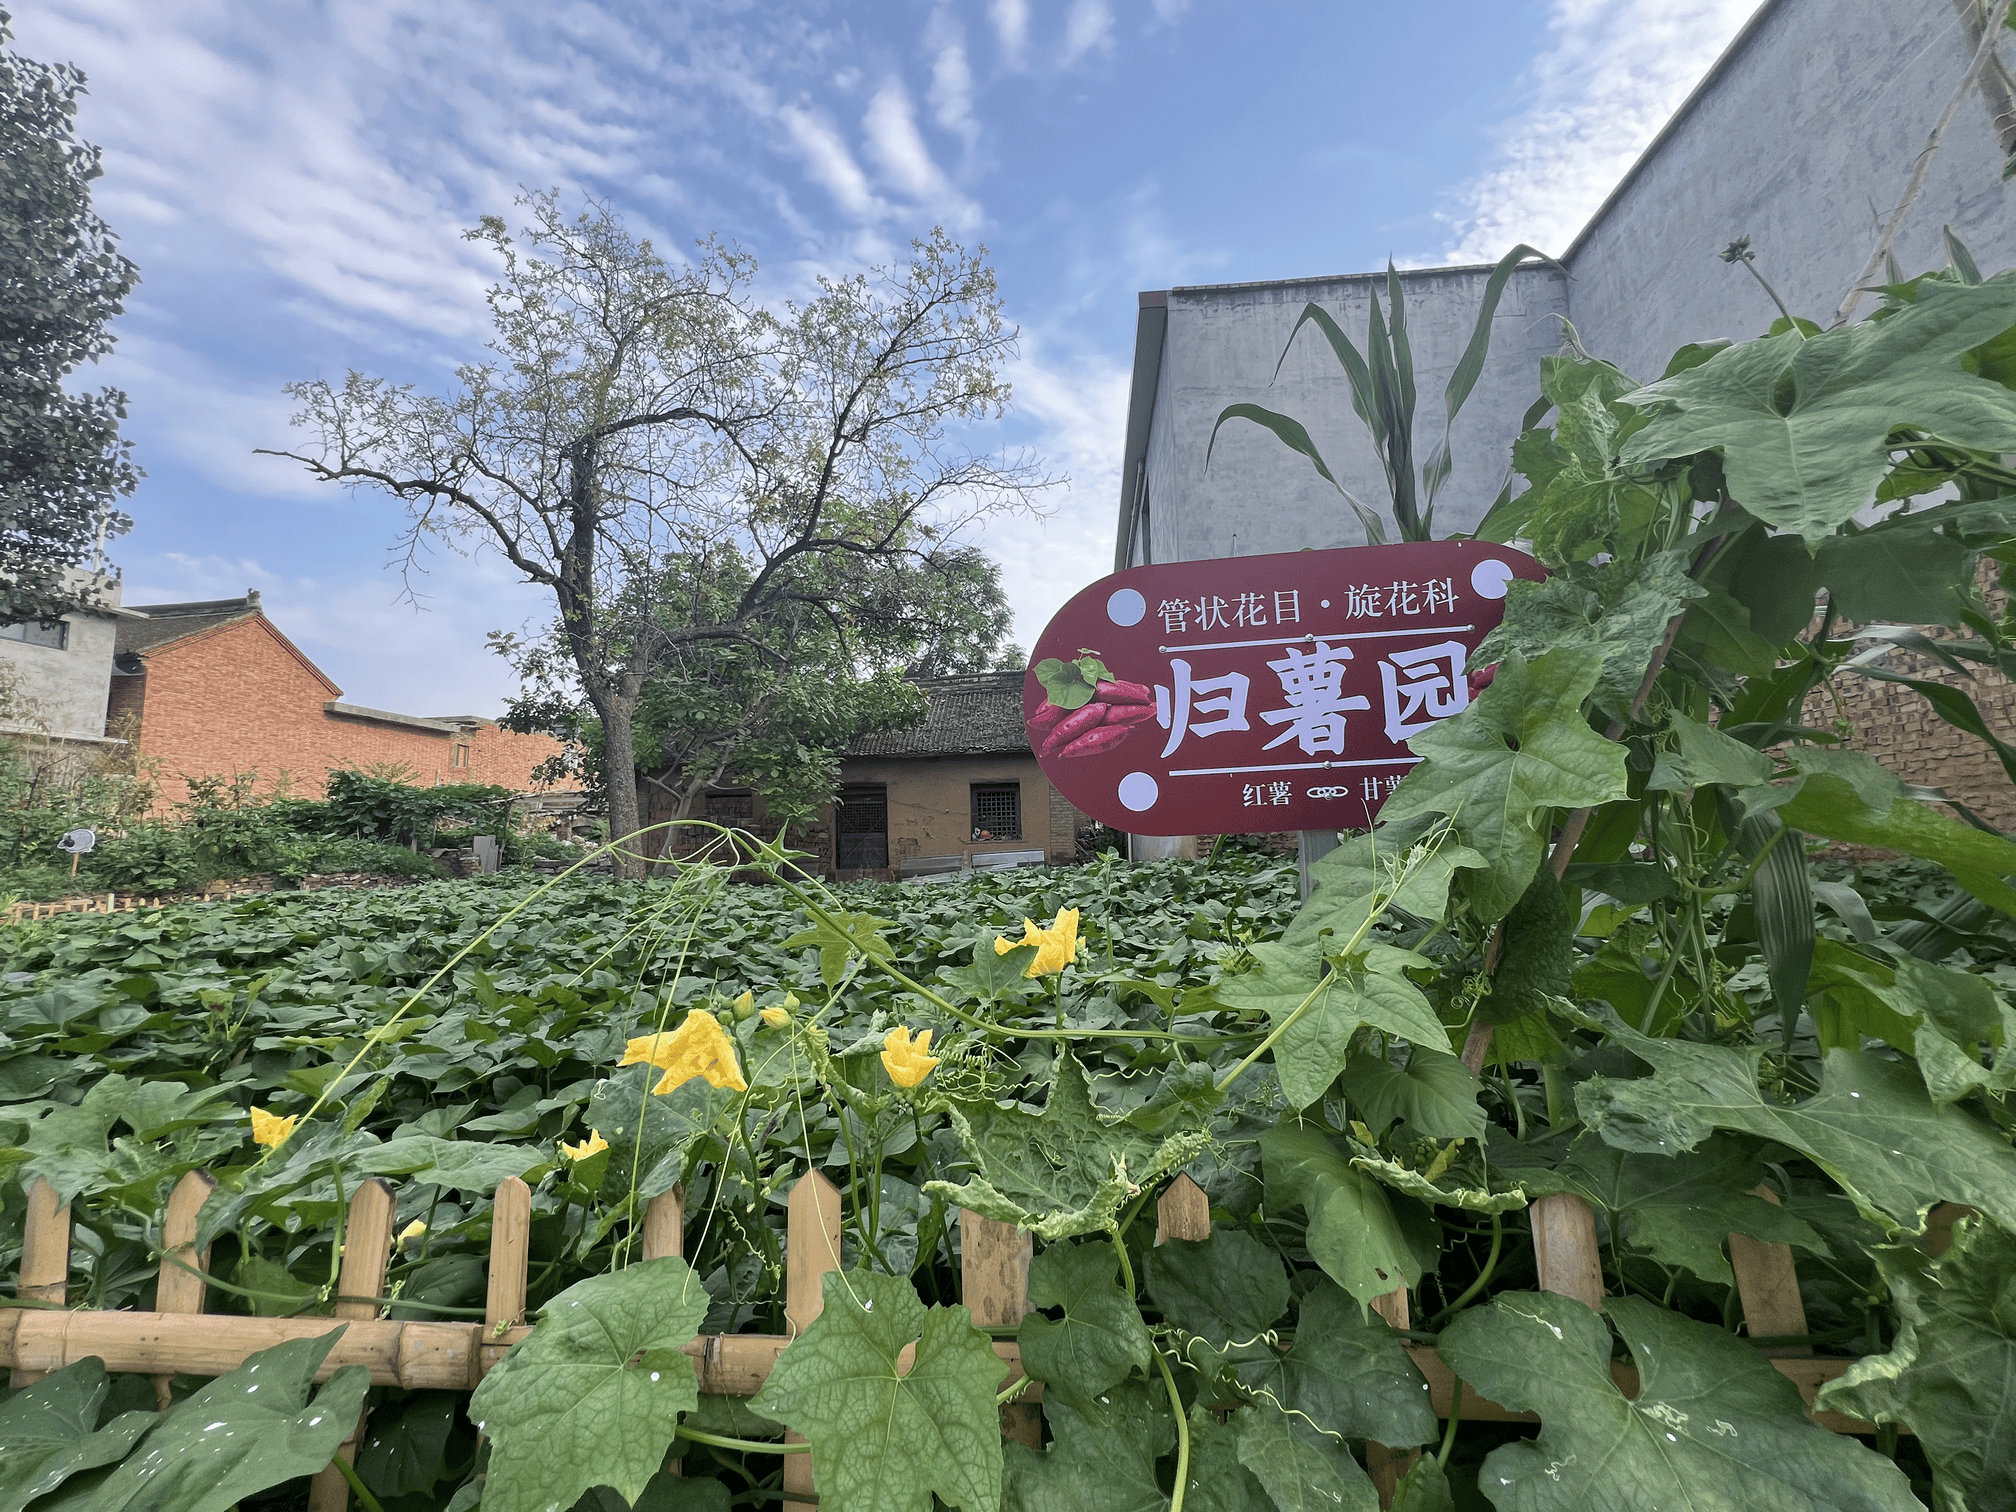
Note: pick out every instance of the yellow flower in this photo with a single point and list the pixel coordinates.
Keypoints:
(698, 1047)
(906, 1060)
(270, 1128)
(745, 1005)
(1056, 947)
(412, 1231)
(776, 1018)
(592, 1145)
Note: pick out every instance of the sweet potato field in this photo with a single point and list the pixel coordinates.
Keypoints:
(1583, 1122)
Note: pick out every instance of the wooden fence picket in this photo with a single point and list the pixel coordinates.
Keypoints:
(45, 1260)
(811, 1251)
(994, 1285)
(176, 1290)
(360, 1281)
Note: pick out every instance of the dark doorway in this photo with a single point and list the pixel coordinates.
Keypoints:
(861, 827)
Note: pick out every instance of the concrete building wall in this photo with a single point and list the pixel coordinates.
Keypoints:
(238, 699)
(930, 805)
(1257, 495)
(65, 689)
(1805, 134)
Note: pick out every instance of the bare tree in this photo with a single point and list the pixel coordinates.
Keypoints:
(634, 418)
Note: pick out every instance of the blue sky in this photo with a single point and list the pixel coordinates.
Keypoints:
(291, 177)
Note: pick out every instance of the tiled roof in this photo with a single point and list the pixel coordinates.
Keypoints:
(170, 622)
(978, 715)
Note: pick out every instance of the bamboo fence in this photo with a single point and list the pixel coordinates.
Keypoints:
(178, 1338)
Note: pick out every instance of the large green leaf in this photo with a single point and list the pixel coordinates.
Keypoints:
(1713, 1425)
(1679, 1207)
(1951, 1375)
(886, 1440)
(1100, 1340)
(1353, 1232)
(591, 1397)
(1803, 422)
(1619, 610)
(1405, 866)
(241, 1434)
(1856, 801)
(466, 1165)
(1346, 1374)
(1219, 1480)
(1063, 1171)
(1368, 990)
(1500, 767)
(1228, 1288)
(1102, 1453)
(1872, 1125)
(650, 1134)
(1301, 1469)
(49, 1431)
(1434, 1094)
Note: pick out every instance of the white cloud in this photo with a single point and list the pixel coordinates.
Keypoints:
(828, 160)
(951, 93)
(899, 150)
(1011, 29)
(1088, 28)
(1617, 71)
(1169, 12)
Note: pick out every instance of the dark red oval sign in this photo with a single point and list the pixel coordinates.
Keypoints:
(1260, 693)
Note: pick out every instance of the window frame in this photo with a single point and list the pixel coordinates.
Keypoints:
(1010, 789)
(35, 633)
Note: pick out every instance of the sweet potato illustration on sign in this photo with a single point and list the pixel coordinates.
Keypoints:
(1089, 710)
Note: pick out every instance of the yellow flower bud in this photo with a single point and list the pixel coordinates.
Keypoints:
(776, 1018)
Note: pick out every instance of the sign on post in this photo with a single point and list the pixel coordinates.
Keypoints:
(1260, 693)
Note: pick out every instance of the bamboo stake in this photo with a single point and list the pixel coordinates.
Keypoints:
(994, 1284)
(664, 1237)
(45, 1259)
(811, 1251)
(175, 1289)
(367, 1249)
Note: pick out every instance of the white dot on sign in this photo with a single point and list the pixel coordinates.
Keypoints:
(1326, 603)
(1490, 577)
(1138, 791)
(1126, 607)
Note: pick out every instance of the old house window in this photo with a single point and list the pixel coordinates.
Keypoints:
(861, 827)
(458, 755)
(731, 808)
(56, 637)
(997, 811)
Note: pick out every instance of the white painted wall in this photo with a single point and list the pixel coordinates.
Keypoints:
(67, 689)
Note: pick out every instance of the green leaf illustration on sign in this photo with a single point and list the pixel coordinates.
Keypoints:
(1713, 1425)
(592, 1396)
(884, 1440)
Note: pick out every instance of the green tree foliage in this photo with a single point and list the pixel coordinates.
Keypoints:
(693, 479)
(62, 463)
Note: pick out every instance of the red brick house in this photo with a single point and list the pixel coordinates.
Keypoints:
(215, 689)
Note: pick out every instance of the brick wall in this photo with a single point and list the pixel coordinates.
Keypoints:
(1901, 730)
(239, 698)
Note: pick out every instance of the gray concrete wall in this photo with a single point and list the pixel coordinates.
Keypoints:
(1258, 496)
(1816, 120)
(66, 690)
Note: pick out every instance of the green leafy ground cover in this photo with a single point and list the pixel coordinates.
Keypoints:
(1596, 886)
